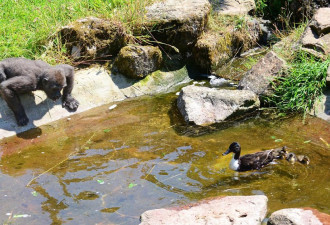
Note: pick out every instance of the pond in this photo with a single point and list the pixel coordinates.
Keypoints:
(109, 166)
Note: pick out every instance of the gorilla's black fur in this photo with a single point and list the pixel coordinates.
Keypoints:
(20, 75)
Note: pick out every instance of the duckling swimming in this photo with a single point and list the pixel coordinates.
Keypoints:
(292, 158)
(253, 161)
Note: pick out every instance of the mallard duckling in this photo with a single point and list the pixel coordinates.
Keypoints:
(291, 157)
(253, 161)
(304, 159)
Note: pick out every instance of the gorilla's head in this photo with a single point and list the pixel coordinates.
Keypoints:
(53, 82)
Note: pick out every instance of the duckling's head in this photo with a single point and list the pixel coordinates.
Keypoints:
(291, 157)
(234, 148)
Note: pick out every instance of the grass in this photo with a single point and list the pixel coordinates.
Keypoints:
(302, 86)
(27, 25)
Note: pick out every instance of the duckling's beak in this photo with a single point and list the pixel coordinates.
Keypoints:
(226, 152)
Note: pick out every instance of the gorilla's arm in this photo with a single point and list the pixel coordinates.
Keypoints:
(68, 102)
(10, 89)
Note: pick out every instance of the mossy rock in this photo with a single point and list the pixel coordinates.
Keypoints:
(93, 38)
(218, 45)
(176, 23)
(138, 61)
(212, 50)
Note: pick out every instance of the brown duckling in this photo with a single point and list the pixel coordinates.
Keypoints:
(292, 158)
(304, 159)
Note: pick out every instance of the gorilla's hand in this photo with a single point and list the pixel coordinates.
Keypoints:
(70, 103)
(22, 120)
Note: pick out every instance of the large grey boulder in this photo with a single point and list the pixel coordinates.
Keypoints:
(296, 216)
(92, 38)
(177, 23)
(203, 105)
(138, 61)
(259, 78)
(230, 210)
(316, 37)
(235, 7)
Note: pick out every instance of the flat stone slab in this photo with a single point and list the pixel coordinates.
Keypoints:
(93, 87)
(258, 79)
(230, 210)
(298, 216)
(204, 106)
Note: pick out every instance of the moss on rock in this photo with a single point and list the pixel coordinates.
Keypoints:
(138, 61)
(92, 38)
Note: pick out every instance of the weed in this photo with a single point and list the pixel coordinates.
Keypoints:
(302, 86)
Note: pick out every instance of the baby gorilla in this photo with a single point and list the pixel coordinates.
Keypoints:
(20, 75)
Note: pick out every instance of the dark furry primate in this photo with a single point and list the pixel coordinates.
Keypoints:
(20, 75)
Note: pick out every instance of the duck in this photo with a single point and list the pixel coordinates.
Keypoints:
(253, 161)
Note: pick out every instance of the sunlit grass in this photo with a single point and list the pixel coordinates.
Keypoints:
(27, 25)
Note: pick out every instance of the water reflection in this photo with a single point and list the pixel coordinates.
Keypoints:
(110, 166)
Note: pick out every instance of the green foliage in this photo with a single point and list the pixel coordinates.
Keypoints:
(26, 26)
(302, 86)
(260, 6)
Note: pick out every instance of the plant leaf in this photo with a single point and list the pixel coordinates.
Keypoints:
(100, 181)
(131, 185)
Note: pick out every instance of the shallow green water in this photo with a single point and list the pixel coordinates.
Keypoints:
(108, 166)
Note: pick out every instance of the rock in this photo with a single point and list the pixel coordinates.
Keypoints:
(321, 21)
(321, 108)
(298, 216)
(92, 38)
(203, 105)
(230, 210)
(235, 7)
(214, 49)
(138, 61)
(305, 9)
(328, 77)
(177, 23)
(316, 37)
(259, 78)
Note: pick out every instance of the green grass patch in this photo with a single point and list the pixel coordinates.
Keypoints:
(303, 84)
(27, 25)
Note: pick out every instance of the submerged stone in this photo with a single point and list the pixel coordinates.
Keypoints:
(92, 38)
(248, 210)
(204, 106)
(138, 61)
(177, 23)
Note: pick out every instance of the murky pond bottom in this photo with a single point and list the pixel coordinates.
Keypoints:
(108, 166)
